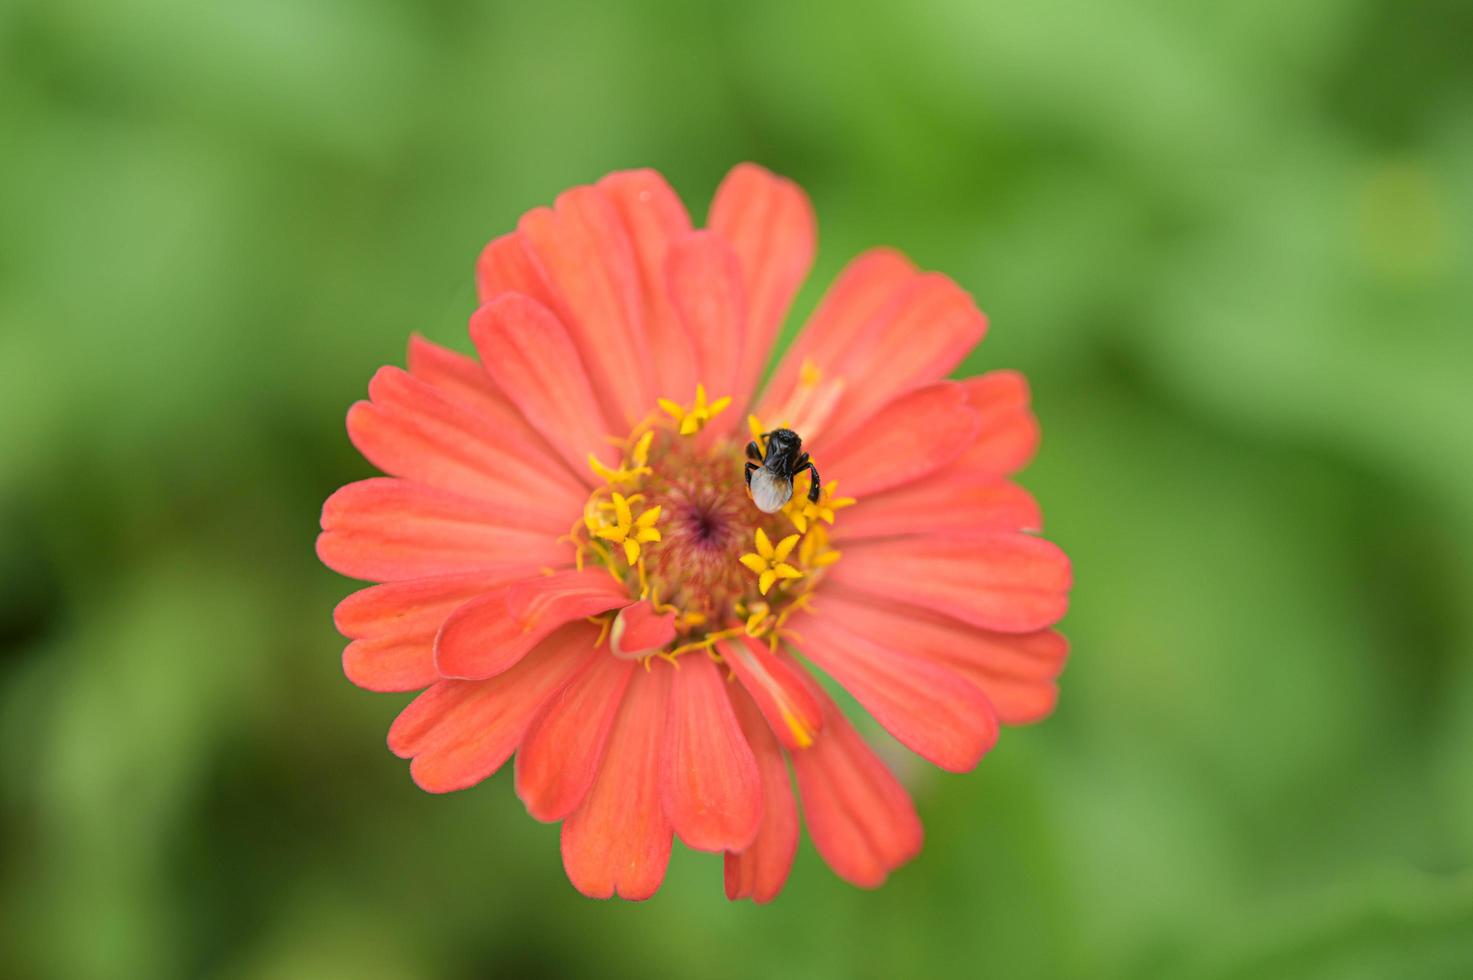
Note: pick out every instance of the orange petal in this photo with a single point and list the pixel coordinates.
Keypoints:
(709, 783)
(760, 871)
(489, 634)
(584, 254)
(937, 504)
(1013, 583)
(460, 732)
(387, 530)
(866, 286)
(778, 691)
(505, 267)
(411, 430)
(925, 332)
(1008, 436)
(460, 378)
(707, 294)
(916, 434)
(618, 841)
(528, 353)
(465, 381)
(769, 223)
(654, 217)
(638, 630)
(930, 709)
(391, 663)
(884, 329)
(393, 628)
(860, 818)
(561, 753)
(1016, 671)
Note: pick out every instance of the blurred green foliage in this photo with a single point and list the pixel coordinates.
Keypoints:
(1232, 245)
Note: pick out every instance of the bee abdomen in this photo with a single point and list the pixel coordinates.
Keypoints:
(769, 491)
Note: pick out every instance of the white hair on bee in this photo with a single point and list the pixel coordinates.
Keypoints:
(770, 492)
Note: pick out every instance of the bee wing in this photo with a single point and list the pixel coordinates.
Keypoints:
(770, 492)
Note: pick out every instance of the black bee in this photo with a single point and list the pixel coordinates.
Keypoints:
(770, 476)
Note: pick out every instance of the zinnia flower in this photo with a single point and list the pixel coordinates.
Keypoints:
(573, 570)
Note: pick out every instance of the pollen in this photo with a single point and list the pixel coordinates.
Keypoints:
(770, 562)
(691, 420)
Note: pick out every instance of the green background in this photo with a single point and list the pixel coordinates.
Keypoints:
(1231, 244)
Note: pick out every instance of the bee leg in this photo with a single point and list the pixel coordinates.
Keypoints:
(814, 487)
(754, 452)
(751, 468)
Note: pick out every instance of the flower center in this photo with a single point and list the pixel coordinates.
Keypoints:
(675, 524)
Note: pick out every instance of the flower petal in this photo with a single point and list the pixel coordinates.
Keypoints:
(654, 217)
(930, 709)
(925, 332)
(883, 330)
(465, 380)
(936, 504)
(618, 841)
(391, 663)
(860, 818)
(916, 434)
(866, 285)
(707, 295)
(489, 634)
(504, 266)
(393, 627)
(462, 379)
(1008, 436)
(785, 547)
(769, 223)
(777, 689)
(639, 630)
(560, 755)
(386, 530)
(584, 254)
(709, 783)
(1009, 582)
(411, 430)
(755, 563)
(760, 871)
(460, 732)
(528, 353)
(1016, 671)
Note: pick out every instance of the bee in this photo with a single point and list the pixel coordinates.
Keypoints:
(770, 475)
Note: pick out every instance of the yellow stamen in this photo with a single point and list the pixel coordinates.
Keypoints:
(803, 512)
(692, 420)
(710, 640)
(754, 426)
(815, 552)
(770, 562)
(604, 622)
(627, 530)
(626, 472)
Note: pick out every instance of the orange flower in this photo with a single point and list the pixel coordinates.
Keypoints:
(565, 540)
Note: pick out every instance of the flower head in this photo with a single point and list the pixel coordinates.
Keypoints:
(571, 570)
